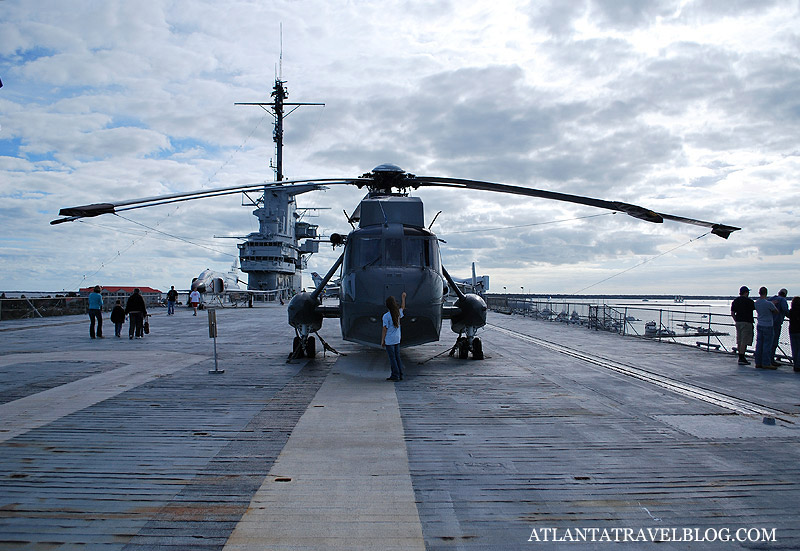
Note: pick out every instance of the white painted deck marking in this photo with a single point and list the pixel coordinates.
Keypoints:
(342, 480)
(44, 407)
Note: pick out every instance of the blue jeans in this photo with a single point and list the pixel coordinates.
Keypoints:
(794, 339)
(170, 307)
(776, 337)
(763, 354)
(393, 350)
(95, 314)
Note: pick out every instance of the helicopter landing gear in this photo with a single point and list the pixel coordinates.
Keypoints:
(301, 349)
(464, 345)
(463, 348)
(302, 345)
(477, 349)
(297, 349)
(307, 347)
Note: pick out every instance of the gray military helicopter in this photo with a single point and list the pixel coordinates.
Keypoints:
(390, 251)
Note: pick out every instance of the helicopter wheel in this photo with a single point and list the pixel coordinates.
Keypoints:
(297, 348)
(463, 348)
(477, 349)
(311, 347)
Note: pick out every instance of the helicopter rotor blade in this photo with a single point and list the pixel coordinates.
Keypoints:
(96, 209)
(381, 181)
(635, 211)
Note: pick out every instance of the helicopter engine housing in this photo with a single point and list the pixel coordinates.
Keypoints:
(472, 313)
(303, 314)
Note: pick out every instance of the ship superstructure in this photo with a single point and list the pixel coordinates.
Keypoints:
(273, 258)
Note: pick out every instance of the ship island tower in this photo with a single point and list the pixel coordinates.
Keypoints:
(273, 257)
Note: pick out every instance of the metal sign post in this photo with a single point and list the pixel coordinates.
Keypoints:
(212, 332)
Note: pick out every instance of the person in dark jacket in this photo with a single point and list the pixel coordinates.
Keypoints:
(136, 310)
(118, 318)
(765, 309)
(794, 332)
(742, 312)
(172, 298)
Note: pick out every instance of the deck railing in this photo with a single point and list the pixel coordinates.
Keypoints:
(691, 325)
(20, 308)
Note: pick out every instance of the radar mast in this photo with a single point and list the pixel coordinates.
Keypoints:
(272, 257)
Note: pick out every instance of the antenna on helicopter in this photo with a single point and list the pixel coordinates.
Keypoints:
(349, 219)
(434, 219)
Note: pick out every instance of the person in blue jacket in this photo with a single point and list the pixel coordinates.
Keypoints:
(96, 312)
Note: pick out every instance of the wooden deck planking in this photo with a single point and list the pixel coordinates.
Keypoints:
(537, 440)
(527, 438)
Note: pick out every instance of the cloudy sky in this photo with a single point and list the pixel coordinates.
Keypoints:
(689, 107)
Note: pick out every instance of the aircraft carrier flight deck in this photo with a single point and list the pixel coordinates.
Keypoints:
(561, 438)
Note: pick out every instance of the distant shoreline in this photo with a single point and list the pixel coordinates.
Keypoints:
(554, 296)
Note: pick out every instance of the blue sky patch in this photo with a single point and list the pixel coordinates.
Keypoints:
(10, 147)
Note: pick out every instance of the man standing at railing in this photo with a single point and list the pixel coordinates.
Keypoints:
(782, 305)
(742, 312)
(765, 309)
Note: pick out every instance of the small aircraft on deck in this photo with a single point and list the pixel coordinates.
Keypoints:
(210, 281)
(331, 289)
(390, 251)
(223, 288)
(475, 284)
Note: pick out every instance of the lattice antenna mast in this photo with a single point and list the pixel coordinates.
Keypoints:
(279, 230)
(276, 106)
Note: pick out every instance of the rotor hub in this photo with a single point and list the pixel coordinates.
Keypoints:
(386, 177)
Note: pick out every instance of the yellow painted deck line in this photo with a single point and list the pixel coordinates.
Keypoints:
(44, 407)
(342, 480)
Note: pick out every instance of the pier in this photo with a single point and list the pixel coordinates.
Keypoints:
(560, 432)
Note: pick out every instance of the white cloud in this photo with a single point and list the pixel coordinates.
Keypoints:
(686, 107)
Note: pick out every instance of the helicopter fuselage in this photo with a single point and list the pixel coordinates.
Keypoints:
(390, 253)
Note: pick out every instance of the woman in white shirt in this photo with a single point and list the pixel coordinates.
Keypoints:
(391, 335)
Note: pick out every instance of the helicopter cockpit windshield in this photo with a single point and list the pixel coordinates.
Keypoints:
(421, 249)
(364, 250)
(417, 249)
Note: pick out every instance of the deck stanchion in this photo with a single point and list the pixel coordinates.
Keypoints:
(212, 332)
